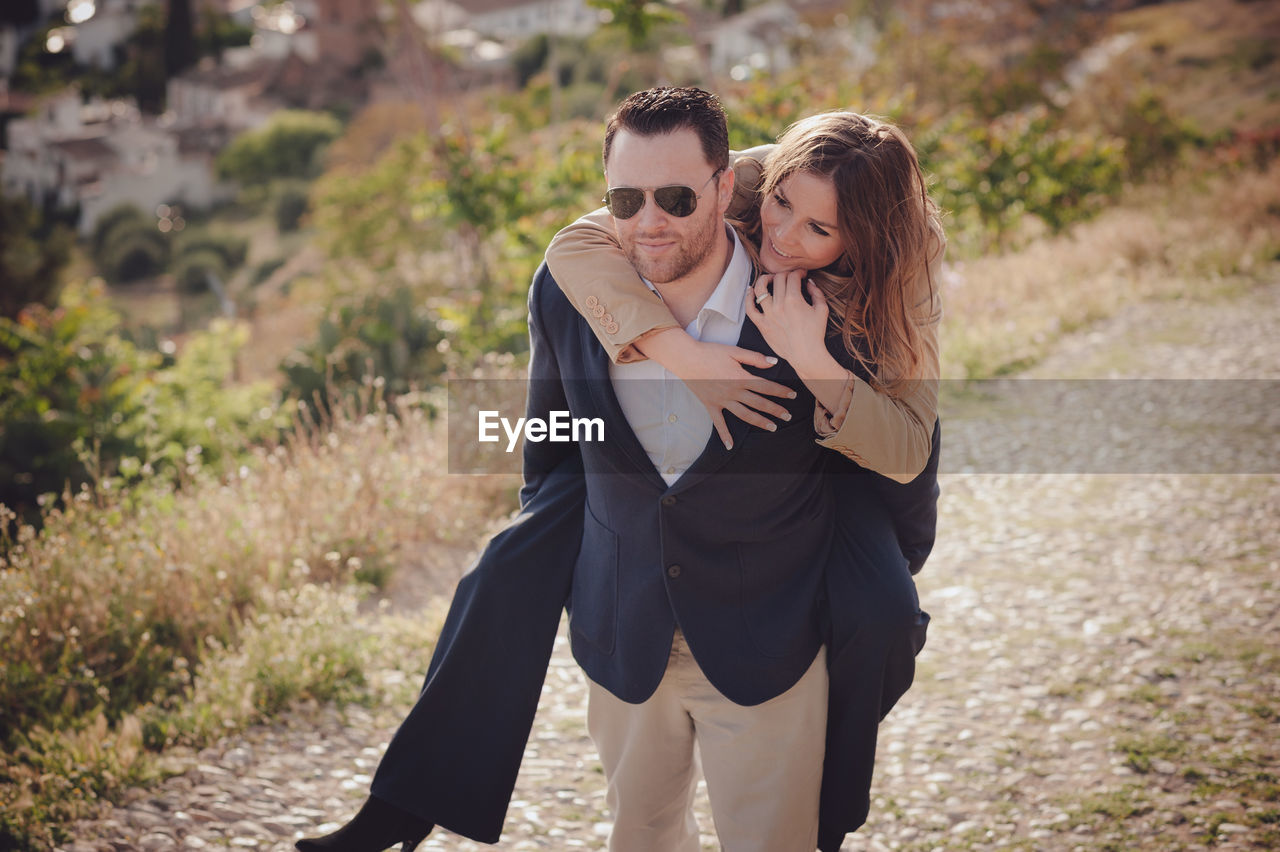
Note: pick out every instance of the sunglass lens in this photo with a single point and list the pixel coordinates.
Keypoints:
(624, 202)
(676, 200)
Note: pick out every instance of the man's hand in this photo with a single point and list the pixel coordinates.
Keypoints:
(715, 374)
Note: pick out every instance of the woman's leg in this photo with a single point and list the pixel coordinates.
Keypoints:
(453, 762)
(876, 628)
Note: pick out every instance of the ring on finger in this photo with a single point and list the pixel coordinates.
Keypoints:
(760, 297)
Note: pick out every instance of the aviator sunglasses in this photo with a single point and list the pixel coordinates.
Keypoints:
(626, 201)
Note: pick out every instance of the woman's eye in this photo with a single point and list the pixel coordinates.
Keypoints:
(818, 230)
(777, 196)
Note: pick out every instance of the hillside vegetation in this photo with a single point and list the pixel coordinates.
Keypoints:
(186, 551)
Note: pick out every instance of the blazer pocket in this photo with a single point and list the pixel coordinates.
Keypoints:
(593, 603)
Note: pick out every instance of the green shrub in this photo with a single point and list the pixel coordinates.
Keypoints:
(388, 336)
(290, 205)
(990, 175)
(33, 253)
(291, 145)
(231, 248)
(119, 215)
(66, 383)
(79, 401)
(127, 246)
(1153, 136)
(193, 268)
(265, 270)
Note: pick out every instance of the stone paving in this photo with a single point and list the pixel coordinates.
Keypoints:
(1102, 671)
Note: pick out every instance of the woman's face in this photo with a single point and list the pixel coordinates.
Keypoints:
(799, 224)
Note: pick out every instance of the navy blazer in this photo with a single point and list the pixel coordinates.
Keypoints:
(733, 551)
(749, 512)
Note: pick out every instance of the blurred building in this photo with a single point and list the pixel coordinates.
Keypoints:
(225, 95)
(98, 155)
(347, 32)
(520, 19)
(753, 42)
(99, 28)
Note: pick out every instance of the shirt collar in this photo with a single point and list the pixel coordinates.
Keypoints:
(729, 299)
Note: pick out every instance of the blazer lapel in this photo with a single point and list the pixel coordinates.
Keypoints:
(714, 455)
(595, 373)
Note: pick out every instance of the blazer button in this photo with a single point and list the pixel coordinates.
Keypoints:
(669, 501)
(597, 311)
(592, 301)
(673, 571)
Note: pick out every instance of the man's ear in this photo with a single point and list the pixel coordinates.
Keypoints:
(724, 197)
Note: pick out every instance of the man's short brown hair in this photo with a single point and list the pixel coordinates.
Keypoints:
(667, 109)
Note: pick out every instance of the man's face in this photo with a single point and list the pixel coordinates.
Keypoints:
(665, 248)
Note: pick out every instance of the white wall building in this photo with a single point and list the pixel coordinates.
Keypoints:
(100, 155)
(754, 42)
(221, 94)
(519, 19)
(96, 38)
(8, 51)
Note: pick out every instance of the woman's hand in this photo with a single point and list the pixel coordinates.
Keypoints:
(792, 327)
(797, 329)
(715, 374)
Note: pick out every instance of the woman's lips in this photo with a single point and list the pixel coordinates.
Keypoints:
(779, 252)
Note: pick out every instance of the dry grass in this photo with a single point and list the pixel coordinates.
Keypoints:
(1218, 58)
(1191, 238)
(111, 607)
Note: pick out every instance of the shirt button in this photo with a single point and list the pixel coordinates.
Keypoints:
(673, 571)
(669, 501)
(671, 418)
(671, 469)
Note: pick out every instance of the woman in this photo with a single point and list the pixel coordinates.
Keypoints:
(887, 342)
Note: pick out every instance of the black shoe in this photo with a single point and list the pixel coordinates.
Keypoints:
(377, 826)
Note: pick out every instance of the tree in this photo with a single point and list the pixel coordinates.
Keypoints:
(637, 18)
(32, 256)
(19, 13)
(289, 146)
(126, 246)
(179, 38)
(143, 71)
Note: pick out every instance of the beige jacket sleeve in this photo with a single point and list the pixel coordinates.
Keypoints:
(891, 436)
(600, 282)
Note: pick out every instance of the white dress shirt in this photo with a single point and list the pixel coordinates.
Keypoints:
(670, 421)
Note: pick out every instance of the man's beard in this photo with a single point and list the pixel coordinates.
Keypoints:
(689, 254)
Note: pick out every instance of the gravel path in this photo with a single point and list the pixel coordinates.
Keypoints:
(1102, 672)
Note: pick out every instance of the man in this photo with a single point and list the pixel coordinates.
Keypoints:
(693, 601)
(694, 594)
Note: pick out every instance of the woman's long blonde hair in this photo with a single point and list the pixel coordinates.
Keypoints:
(890, 231)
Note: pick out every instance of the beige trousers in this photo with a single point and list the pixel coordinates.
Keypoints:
(763, 764)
